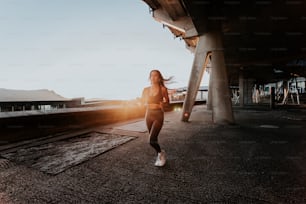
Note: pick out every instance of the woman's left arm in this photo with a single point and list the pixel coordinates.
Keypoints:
(165, 95)
(165, 103)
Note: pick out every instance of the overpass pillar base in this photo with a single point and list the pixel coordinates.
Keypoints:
(219, 99)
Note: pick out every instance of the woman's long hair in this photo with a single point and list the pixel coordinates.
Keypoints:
(162, 80)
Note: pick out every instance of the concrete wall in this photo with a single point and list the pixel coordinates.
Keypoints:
(34, 126)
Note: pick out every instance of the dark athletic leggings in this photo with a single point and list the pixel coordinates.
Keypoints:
(154, 121)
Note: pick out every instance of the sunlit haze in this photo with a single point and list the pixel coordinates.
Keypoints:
(88, 49)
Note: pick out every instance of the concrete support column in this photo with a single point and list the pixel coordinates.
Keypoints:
(198, 68)
(246, 88)
(241, 90)
(209, 95)
(221, 97)
(272, 98)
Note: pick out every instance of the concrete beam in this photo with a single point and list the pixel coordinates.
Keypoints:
(173, 8)
(153, 4)
(198, 68)
(182, 24)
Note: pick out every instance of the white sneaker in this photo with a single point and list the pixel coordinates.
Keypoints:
(161, 158)
(158, 160)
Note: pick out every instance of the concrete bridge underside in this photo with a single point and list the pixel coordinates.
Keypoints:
(241, 41)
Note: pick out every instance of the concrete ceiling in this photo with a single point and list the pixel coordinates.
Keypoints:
(260, 37)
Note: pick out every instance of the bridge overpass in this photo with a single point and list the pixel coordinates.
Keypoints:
(242, 43)
(258, 160)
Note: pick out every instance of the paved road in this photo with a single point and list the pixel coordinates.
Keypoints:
(261, 159)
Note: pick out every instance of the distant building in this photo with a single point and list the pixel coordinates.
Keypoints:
(180, 93)
(43, 99)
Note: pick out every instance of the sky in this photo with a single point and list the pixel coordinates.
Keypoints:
(88, 49)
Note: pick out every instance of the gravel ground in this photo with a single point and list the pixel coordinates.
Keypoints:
(260, 159)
